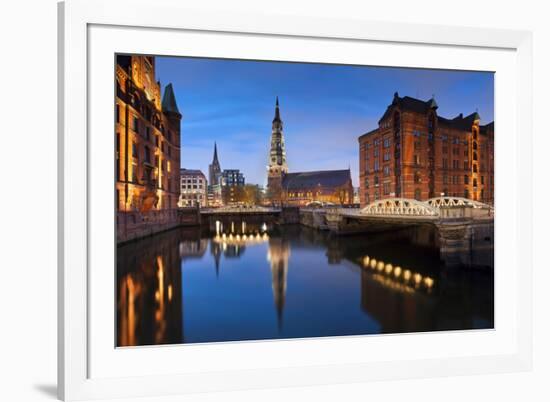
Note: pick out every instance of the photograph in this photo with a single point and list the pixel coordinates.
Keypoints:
(267, 200)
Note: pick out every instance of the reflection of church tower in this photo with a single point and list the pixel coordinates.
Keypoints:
(216, 251)
(277, 158)
(214, 169)
(278, 255)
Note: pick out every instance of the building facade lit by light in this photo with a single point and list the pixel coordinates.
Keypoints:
(415, 153)
(193, 188)
(147, 138)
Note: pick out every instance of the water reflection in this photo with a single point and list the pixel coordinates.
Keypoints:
(278, 255)
(243, 283)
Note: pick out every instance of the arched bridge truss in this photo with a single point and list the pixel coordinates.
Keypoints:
(399, 207)
(406, 207)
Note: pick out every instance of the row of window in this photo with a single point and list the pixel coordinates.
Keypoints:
(148, 154)
(418, 134)
(386, 189)
(146, 133)
(418, 179)
(185, 187)
(192, 180)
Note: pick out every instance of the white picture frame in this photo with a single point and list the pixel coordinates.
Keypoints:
(78, 378)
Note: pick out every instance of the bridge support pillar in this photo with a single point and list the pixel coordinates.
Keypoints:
(334, 221)
(455, 240)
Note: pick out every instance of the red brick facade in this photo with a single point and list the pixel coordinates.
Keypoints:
(414, 153)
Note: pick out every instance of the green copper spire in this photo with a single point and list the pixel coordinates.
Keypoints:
(169, 100)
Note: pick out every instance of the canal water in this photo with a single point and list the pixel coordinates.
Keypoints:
(190, 286)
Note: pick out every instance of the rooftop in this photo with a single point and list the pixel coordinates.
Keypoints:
(169, 100)
(323, 178)
(191, 172)
(420, 106)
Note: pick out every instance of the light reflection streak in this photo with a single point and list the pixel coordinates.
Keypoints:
(395, 277)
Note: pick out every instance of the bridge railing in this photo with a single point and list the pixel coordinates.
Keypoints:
(434, 208)
(400, 207)
(237, 209)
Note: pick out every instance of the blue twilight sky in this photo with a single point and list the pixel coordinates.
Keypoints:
(324, 108)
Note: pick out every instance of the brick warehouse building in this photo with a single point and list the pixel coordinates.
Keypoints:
(147, 138)
(414, 153)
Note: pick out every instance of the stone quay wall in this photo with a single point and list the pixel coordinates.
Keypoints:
(289, 215)
(133, 225)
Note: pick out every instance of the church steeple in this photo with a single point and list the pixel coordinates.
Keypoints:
(215, 159)
(214, 169)
(277, 114)
(277, 157)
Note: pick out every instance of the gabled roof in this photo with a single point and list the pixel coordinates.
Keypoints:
(419, 106)
(169, 100)
(323, 178)
(410, 104)
(460, 122)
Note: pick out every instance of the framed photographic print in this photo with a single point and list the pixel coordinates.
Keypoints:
(249, 204)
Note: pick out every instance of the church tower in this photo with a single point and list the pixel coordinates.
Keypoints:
(277, 158)
(214, 169)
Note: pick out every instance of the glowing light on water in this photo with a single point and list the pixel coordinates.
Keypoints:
(396, 277)
(366, 261)
(264, 227)
(397, 271)
(407, 275)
